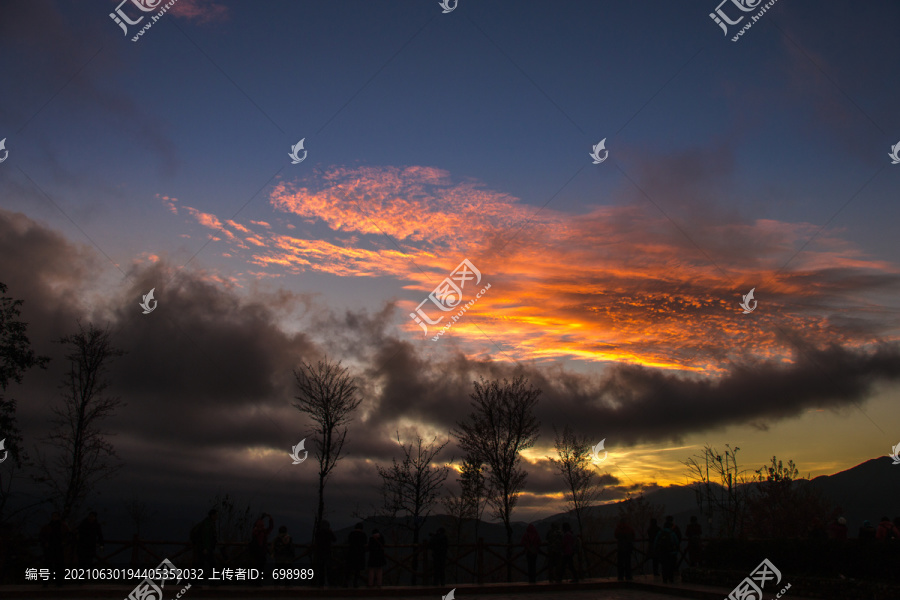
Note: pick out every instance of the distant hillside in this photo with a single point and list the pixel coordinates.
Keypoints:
(867, 491)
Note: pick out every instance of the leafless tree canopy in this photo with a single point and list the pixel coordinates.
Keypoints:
(235, 520)
(573, 463)
(783, 505)
(327, 394)
(473, 489)
(413, 484)
(470, 503)
(721, 488)
(83, 455)
(500, 426)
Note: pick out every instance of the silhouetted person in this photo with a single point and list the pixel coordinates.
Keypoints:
(532, 543)
(259, 543)
(324, 539)
(54, 536)
(886, 530)
(818, 531)
(439, 546)
(652, 532)
(205, 538)
(89, 537)
(624, 535)
(666, 547)
(554, 553)
(676, 530)
(356, 553)
(376, 558)
(866, 531)
(694, 534)
(568, 553)
(283, 550)
(838, 529)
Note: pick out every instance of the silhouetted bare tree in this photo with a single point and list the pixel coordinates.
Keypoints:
(473, 489)
(235, 522)
(500, 426)
(83, 455)
(139, 513)
(471, 500)
(573, 463)
(783, 505)
(327, 394)
(721, 488)
(16, 357)
(413, 485)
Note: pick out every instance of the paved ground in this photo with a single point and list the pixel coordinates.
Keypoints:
(589, 590)
(582, 595)
(585, 595)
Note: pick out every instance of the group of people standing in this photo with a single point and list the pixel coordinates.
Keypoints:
(56, 536)
(665, 544)
(204, 540)
(563, 548)
(358, 546)
(837, 529)
(886, 530)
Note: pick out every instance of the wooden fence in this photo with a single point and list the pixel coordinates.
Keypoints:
(406, 563)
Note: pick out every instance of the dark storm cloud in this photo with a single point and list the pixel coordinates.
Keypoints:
(208, 375)
(42, 266)
(638, 404)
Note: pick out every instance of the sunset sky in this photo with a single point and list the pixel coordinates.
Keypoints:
(434, 138)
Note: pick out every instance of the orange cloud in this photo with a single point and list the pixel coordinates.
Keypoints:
(200, 11)
(615, 283)
(169, 203)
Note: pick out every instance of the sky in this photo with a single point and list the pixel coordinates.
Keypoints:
(430, 139)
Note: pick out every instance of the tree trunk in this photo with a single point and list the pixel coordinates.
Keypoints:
(508, 553)
(415, 562)
(478, 552)
(321, 510)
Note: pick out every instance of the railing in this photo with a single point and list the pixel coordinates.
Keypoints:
(478, 562)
